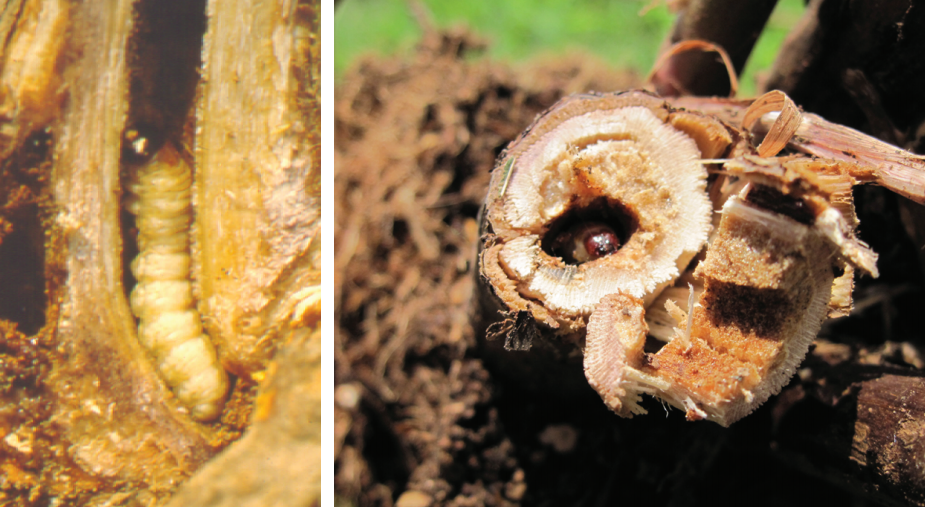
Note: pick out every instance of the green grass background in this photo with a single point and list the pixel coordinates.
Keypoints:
(520, 29)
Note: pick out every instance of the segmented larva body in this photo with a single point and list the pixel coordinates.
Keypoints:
(169, 324)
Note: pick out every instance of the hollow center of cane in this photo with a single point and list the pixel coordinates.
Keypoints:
(583, 234)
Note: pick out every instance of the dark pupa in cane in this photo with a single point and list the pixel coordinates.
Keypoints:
(590, 233)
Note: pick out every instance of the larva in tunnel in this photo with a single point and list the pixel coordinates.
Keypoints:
(169, 325)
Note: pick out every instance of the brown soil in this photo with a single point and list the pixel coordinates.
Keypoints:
(421, 420)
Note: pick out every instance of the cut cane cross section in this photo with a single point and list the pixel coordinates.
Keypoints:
(620, 161)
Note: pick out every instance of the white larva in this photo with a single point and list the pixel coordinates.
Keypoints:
(169, 325)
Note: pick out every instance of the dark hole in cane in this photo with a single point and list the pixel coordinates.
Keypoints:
(583, 234)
